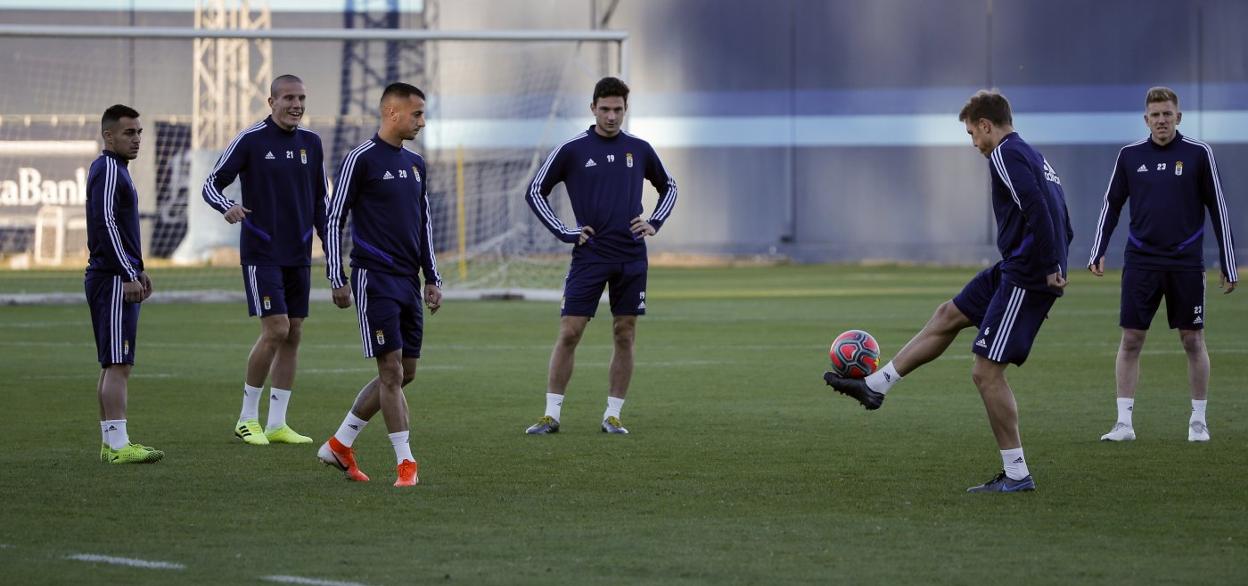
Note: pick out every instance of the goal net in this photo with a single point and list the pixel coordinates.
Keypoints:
(498, 103)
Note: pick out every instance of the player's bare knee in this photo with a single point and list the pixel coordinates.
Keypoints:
(570, 335)
(294, 332)
(1132, 342)
(986, 374)
(949, 318)
(1193, 341)
(625, 331)
(276, 328)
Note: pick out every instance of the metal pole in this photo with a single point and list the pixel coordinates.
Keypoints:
(305, 34)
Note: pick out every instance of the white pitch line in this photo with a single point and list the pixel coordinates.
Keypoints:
(308, 581)
(132, 562)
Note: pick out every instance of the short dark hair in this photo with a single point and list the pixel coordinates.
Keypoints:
(989, 105)
(280, 80)
(610, 86)
(114, 114)
(1161, 94)
(399, 89)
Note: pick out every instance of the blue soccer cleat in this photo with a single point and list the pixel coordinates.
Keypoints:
(545, 425)
(1003, 483)
(856, 388)
(612, 425)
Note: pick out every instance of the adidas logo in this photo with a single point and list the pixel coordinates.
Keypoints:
(1018, 461)
(1198, 320)
(269, 156)
(641, 305)
(1142, 169)
(591, 163)
(111, 428)
(981, 343)
(387, 176)
(888, 378)
(353, 426)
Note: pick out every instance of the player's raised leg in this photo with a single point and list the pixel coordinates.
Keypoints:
(562, 363)
(927, 345)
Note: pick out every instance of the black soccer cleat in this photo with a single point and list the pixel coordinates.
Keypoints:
(856, 388)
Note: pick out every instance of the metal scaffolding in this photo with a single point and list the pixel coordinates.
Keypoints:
(231, 75)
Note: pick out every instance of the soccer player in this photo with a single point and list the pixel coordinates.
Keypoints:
(1169, 179)
(603, 169)
(385, 189)
(1008, 301)
(115, 282)
(283, 187)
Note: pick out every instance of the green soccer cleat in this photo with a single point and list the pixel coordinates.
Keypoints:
(286, 435)
(250, 432)
(130, 454)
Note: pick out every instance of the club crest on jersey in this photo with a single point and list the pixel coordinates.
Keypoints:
(268, 303)
(628, 160)
(381, 337)
(416, 174)
(303, 156)
(1178, 167)
(125, 346)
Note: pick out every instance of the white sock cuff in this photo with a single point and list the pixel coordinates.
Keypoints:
(283, 393)
(351, 419)
(554, 405)
(250, 389)
(399, 437)
(882, 380)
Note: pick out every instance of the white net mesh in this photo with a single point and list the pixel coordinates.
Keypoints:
(495, 110)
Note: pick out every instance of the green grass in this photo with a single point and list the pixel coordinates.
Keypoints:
(742, 467)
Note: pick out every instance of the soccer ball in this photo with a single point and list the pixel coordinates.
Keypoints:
(854, 354)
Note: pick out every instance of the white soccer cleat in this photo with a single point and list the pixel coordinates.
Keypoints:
(1120, 433)
(1197, 431)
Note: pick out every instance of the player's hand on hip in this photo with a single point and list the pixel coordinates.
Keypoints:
(147, 285)
(132, 291)
(1056, 281)
(586, 234)
(1227, 286)
(642, 228)
(1098, 269)
(342, 296)
(236, 214)
(433, 297)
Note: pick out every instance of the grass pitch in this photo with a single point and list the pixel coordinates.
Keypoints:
(742, 467)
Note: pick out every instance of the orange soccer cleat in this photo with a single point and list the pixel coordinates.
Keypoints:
(407, 474)
(333, 453)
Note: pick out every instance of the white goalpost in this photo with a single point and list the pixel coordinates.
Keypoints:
(498, 102)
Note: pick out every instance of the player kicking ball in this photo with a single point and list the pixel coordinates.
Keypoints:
(1007, 302)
